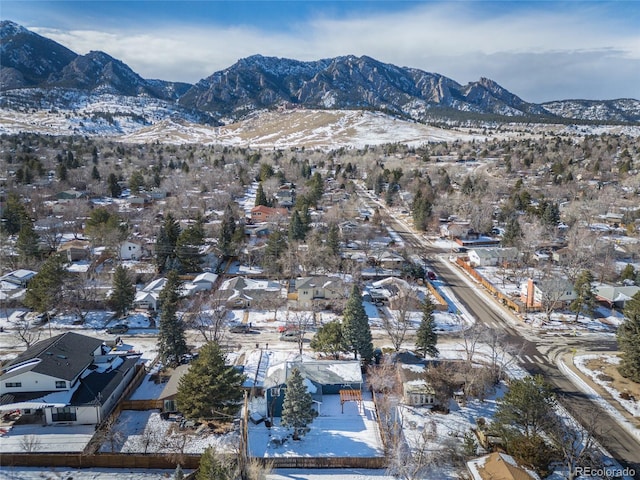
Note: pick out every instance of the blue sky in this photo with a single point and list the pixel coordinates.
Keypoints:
(539, 50)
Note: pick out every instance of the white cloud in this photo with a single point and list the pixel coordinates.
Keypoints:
(539, 55)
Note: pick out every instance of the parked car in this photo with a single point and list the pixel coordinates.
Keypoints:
(240, 329)
(431, 276)
(119, 328)
(290, 336)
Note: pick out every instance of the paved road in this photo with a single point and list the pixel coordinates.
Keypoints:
(623, 446)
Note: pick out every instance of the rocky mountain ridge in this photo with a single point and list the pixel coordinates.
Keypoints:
(36, 72)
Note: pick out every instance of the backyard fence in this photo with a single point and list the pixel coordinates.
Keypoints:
(504, 299)
(441, 302)
(324, 462)
(100, 460)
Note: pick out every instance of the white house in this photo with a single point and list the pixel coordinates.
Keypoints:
(491, 256)
(130, 251)
(200, 283)
(69, 378)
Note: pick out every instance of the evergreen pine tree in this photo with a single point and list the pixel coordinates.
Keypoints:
(45, 290)
(297, 408)
(628, 336)
(261, 197)
(275, 247)
(421, 209)
(166, 243)
(527, 407)
(172, 342)
(214, 466)
(426, 337)
(95, 173)
(585, 301)
(628, 272)
(512, 233)
(188, 246)
(296, 228)
(333, 239)
(123, 292)
(329, 339)
(227, 231)
(113, 186)
(27, 243)
(355, 325)
(211, 389)
(12, 214)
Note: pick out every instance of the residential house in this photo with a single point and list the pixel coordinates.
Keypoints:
(320, 290)
(537, 293)
(69, 379)
(130, 251)
(19, 278)
(492, 256)
(389, 291)
(499, 466)
(326, 377)
(242, 292)
(70, 195)
(204, 281)
(147, 298)
(286, 195)
(387, 259)
(562, 255)
(416, 390)
(262, 213)
(75, 250)
(615, 296)
(170, 390)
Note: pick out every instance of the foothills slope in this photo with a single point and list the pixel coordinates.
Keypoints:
(38, 73)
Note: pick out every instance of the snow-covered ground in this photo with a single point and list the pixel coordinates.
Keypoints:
(61, 473)
(353, 433)
(145, 432)
(46, 438)
(580, 361)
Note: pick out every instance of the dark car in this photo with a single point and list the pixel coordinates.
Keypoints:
(117, 329)
(431, 275)
(240, 329)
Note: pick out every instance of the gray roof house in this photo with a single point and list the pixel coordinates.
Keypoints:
(68, 378)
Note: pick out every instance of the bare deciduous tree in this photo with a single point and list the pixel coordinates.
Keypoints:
(396, 321)
(25, 332)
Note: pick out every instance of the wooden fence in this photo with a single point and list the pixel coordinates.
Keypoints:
(441, 302)
(324, 462)
(100, 460)
(514, 305)
(141, 405)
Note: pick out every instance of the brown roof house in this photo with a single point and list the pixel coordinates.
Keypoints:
(499, 466)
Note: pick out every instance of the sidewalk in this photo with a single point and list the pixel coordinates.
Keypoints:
(598, 394)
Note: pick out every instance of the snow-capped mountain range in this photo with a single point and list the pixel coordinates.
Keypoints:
(38, 73)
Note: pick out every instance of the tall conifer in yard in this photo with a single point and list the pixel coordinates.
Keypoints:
(45, 290)
(172, 343)
(426, 337)
(211, 389)
(123, 292)
(629, 340)
(585, 301)
(297, 408)
(355, 325)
